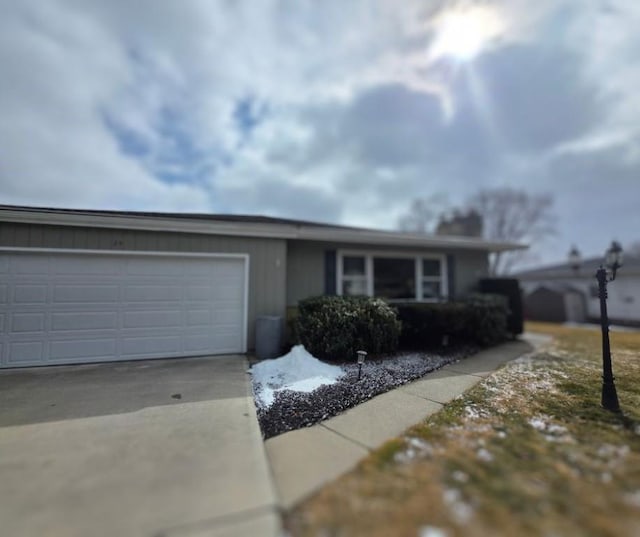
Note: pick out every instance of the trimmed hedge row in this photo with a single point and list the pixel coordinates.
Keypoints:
(482, 320)
(335, 327)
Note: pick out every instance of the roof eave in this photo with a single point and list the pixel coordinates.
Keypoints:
(248, 229)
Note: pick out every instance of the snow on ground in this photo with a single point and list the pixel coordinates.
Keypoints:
(297, 371)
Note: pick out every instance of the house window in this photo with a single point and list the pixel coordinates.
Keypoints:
(354, 275)
(394, 278)
(432, 288)
(402, 277)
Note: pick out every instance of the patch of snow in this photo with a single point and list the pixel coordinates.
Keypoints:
(416, 447)
(296, 371)
(551, 431)
(633, 498)
(473, 412)
(460, 510)
(612, 454)
(484, 455)
(538, 424)
(460, 476)
(432, 531)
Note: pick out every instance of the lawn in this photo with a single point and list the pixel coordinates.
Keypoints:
(529, 451)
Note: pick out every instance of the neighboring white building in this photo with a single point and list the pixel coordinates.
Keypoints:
(560, 293)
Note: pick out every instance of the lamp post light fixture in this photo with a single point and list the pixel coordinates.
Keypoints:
(613, 261)
(361, 357)
(575, 259)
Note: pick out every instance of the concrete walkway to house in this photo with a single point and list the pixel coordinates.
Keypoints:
(304, 460)
(158, 448)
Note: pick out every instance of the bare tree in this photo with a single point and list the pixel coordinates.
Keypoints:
(423, 214)
(513, 215)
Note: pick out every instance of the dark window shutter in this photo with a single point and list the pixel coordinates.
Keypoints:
(330, 272)
(451, 276)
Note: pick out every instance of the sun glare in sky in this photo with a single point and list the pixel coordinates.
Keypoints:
(463, 33)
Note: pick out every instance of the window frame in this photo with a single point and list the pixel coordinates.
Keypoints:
(369, 255)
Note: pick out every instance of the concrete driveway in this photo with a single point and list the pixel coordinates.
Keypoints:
(153, 448)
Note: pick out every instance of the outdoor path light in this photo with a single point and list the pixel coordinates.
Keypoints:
(613, 261)
(361, 356)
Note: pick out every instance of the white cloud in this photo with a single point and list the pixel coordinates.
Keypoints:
(134, 105)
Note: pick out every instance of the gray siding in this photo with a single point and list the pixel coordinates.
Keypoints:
(267, 257)
(470, 266)
(305, 270)
(305, 262)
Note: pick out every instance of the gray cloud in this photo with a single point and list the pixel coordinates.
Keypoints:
(106, 104)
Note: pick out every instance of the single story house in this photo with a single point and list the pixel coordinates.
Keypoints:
(562, 293)
(79, 286)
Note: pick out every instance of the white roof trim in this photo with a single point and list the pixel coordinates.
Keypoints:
(251, 229)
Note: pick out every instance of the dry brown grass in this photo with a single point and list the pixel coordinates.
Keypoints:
(527, 452)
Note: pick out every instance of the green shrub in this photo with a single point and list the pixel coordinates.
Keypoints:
(487, 321)
(479, 321)
(335, 327)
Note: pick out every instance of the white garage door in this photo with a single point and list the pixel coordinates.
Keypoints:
(91, 307)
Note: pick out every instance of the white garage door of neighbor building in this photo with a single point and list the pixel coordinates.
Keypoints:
(65, 308)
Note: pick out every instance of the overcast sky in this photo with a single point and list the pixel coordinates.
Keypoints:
(340, 111)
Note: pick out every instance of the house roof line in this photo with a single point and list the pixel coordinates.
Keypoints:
(242, 226)
(587, 269)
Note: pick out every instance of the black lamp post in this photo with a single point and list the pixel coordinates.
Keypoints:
(613, 261)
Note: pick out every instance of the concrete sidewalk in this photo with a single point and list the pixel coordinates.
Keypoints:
(304, 460)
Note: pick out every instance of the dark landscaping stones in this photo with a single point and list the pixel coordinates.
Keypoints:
(294, 410)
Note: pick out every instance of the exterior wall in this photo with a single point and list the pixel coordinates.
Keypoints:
(306, 270)
(267, 257)
(469, 267)
(623, 303)
(546, 305)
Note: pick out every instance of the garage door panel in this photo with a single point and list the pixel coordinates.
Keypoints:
(82, 348)
(197, 343)
(149, 267)
(94, 266)
(225, 311)
(72, 308)
(201, 268)
(30, 294)
(151, 293)
(198, 293)
(226, 292)
(29, 265)
(225, 341)
(27, 322)
(226, 268)
(165, 345)
(152, 319)
(86, 293)
(199, 318)
(25, 351)
(84, 320)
